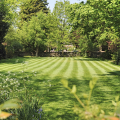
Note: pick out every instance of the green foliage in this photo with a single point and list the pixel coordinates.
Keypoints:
(13, 45)
(95, 20)
(4, 25)
(30, 8)
(31, 109)
(58, 102)
(11, 87)
(33, 33)
(91, 112)
(10, 104)
(60, 11)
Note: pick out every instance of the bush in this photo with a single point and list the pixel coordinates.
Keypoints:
(31, 110)
(106, 55)
(11, 86)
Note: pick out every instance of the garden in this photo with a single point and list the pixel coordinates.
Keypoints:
(67, 87)
(41, 84)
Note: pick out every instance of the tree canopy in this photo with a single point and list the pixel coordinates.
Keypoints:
(30, 8)
(88, 26)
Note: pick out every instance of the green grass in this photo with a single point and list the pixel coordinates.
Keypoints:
(57, 100)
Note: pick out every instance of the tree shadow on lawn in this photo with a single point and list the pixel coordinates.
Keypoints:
(58, 100)
(114, 73)
(17, 60)
(106, 89)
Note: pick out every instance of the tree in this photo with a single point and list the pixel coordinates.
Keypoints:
(60, 11)
(93, 20)
(52, 30)
(32, 33)
(12, 43)
(79, 17)
(4, 25)
(30, 8)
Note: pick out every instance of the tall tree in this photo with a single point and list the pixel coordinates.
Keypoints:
(29, 8)
(79, 17)
(52, 31)
(4, 25)
(60, 11)
(11, 41)
(37, 32)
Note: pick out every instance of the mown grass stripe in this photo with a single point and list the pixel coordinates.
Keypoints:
(98, 68)
(80, 72)
(113, 66)
(107, 78)
(47, 65)
(52, 67)
(67, 73)
(56, 67)
(90, 69)
(107, 68)
(85, 69)
(64, 68)
(15, 66)
(57, 72)
(74, 73)
(100, 83)
(28, 65)
(105, 85)
(36, 65)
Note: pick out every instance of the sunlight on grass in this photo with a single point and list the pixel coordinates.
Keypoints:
(40, 78)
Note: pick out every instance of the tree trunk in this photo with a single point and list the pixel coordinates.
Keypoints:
(37, 52)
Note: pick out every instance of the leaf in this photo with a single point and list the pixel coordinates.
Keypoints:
(91, 85)
(94, 109)
(85, 95)
(65, 83)
(4, 115)
(102, 112)
(110, 113)
(94, 80)
(117, 98)
(10, 104)
(118, 109)
(73, 89)
(114, 103)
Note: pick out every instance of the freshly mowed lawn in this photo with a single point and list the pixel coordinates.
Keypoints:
(57, 100)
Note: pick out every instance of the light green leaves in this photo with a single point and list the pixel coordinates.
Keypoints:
(10, 104)
(92, 83)
(85, 95)
(73, 89)
(114, 103)
(117, 98)
(118, 109)
(65, 83)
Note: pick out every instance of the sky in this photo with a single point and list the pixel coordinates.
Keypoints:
(52, 3)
